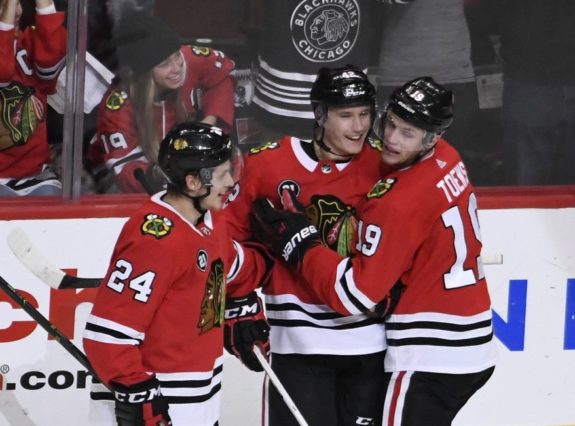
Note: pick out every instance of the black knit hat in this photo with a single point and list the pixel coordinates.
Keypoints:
(143, 41)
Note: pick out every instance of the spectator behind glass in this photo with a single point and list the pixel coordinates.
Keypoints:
(432, 38)
(297, 38)
(159, 83)
(537, 48)
(31, 62)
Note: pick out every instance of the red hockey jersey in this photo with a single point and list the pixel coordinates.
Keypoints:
(160, 308)
(30, 63)
(419, 227)
(208, 87)
(301, 323)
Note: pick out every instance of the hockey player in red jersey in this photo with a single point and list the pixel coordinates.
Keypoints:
(160, 83)
(418, 262)
(330, 364)
(155, 334)
(31, 60)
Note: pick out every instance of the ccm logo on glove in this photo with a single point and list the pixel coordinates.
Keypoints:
(242, 311)
(138, 397)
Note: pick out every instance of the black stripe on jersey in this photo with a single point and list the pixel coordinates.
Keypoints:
(108, 396)
(128, 158)
(192, 399)
(438, 325)
(281, 307)
(343, 281)
(101, 396)
(303, 323)
(435, 341)
(18, 185)
(191, 383)
(114, 333)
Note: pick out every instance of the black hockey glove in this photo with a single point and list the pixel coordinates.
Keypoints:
(289, 233)
(386, 307)
(141, 404)
(244, 328)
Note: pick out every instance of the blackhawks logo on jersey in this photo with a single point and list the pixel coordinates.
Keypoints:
(213, 303)
(156, 226)
(116, 100)
(20, 113)
(381, 187)
(335, 222)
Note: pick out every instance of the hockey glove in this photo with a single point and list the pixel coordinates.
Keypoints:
(290, 234)
(386, 307)
(141, 404)
(246, 326)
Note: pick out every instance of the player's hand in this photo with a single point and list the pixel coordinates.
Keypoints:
(244, 328)
(141, 404)
(288, 232)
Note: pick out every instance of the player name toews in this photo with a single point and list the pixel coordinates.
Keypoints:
(297, 239)
(454, 182)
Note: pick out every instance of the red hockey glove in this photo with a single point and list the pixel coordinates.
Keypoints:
(289, 233)
(141, 404)
(245, 327)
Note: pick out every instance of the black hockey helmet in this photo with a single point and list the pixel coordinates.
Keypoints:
(193, 147)
(424, 103)
(346, 86)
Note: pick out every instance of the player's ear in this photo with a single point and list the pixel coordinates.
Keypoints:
(193, 183)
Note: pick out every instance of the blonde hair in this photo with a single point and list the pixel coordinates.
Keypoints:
(142, 91)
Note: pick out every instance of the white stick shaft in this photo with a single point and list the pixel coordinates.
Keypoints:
(33, 259)
(278, 385)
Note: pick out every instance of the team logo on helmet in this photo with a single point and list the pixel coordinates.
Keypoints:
(180, 144)
(325, 31)
(116, 100)
(156, 226)
(381, 187)
(335, 221)
(375, 143)
(213, 303)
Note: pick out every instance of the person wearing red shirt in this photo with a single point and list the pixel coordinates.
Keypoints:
(331, 364)
(160, 83)
(155, 332)
(418, 262)
(31, 62)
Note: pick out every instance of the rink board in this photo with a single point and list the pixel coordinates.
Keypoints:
(533, 294)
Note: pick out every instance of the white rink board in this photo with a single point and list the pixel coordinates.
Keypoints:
(534, 384)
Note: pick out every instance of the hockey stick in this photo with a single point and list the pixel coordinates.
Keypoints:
(39, 265)
(48, 326)
(280, 388)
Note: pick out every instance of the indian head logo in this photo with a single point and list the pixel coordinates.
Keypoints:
(335, 221)
(213, 302)
(325, 31)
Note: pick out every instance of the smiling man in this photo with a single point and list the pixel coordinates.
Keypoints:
(418, 262)
(331, 364)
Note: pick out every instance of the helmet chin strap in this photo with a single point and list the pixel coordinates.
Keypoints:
(318, 139)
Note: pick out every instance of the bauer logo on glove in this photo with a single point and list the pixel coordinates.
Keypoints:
(288, 231)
